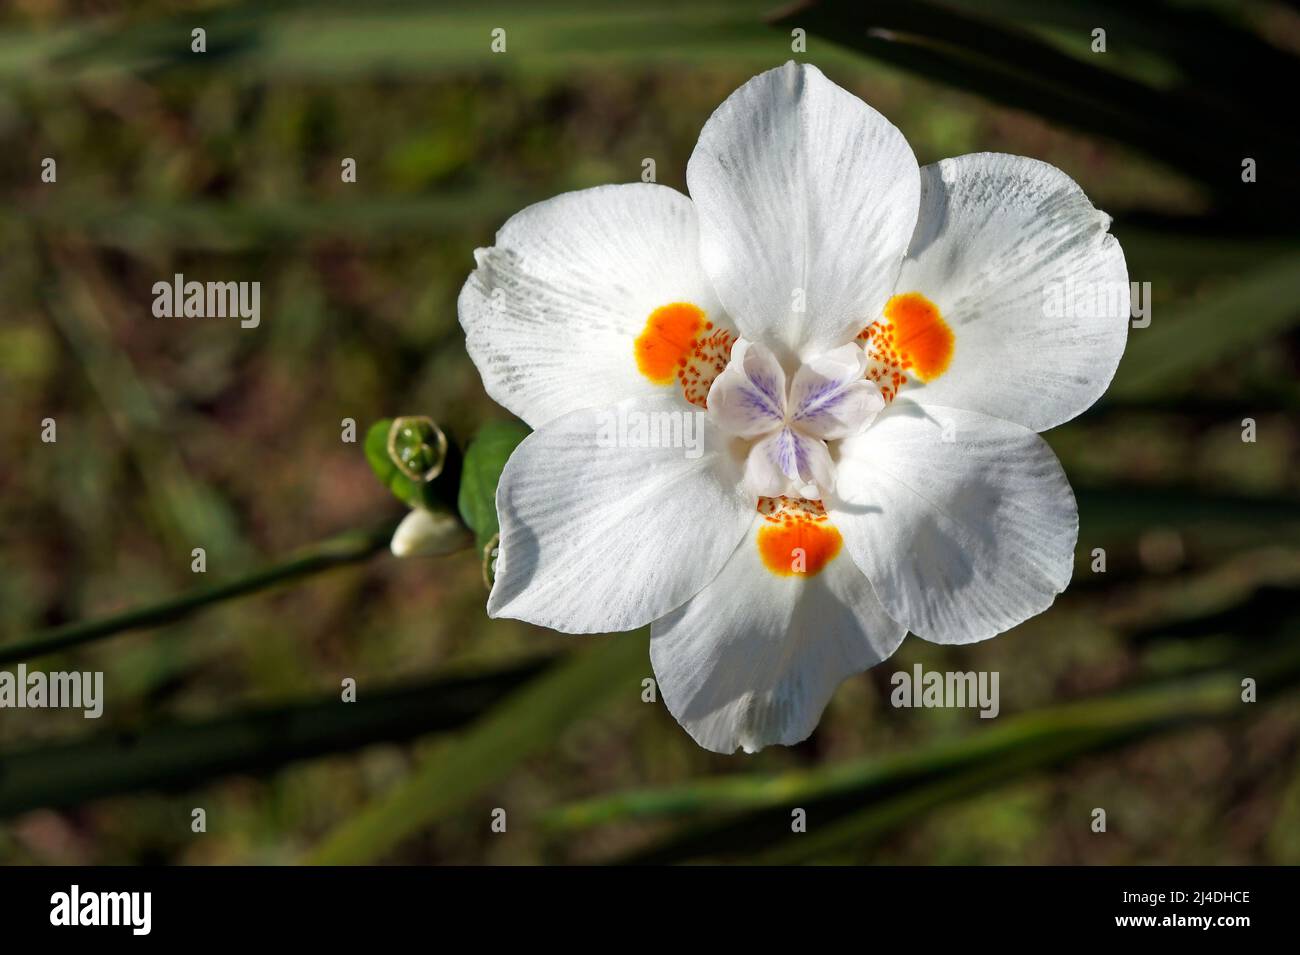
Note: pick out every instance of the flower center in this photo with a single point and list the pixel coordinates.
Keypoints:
(788, 427)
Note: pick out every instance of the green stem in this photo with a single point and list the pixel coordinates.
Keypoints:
(346, 549)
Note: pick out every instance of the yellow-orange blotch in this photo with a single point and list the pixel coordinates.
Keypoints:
(666, 343)
(921, 336)
(795, 538)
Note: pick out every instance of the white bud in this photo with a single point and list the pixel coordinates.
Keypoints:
(424, 532)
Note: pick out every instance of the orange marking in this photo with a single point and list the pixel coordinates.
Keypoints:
(666, 342)
(911, 339)
(921, 335)
(796, 539)
(678, 343)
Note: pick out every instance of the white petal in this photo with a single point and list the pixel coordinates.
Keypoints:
(830, 399)
(788, 462)
(553, 311)
(806, 197)
(748, 398)
(754, 658)
(1000, 242)
(962, 538)
(600, 534)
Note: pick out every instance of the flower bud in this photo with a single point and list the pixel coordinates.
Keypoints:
(426, 533)
(417, 447)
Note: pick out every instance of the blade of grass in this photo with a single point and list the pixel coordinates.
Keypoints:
(879, 793)
(339, 40)
(1208, 47)
(181, 756)
(528, 722)
(889, 814)
(1193, 247)
(1016, 68)
(1126, 509)
(1226, 321)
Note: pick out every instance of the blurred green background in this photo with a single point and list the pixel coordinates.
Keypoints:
(174, 434)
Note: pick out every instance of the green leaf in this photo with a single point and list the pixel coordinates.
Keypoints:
(1124, 510)
(1212, 48)
(864, 798)
(1193, 133)
(529, 721)
(407, 489)
(182, 755)
(1228, 320)
(484, 462)
(333, 39)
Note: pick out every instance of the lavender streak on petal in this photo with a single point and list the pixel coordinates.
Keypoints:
(757, 403)
(820, 401)
(787, 453)
(767, 388)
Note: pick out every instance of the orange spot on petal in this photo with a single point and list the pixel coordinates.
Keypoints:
(920, 334)
(667, 340)
(796, 539)
(678, 343)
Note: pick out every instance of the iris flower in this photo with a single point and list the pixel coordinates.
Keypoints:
(790, 418)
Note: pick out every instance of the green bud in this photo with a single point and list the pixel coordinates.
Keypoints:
(417, 446)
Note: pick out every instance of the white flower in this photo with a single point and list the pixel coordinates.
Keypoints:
(876, 346)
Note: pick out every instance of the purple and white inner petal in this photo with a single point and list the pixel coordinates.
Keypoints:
(788, 460)
(830, 398)
(748, 398)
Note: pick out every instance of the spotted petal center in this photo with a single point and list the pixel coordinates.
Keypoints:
(679, 342)
(911, 341)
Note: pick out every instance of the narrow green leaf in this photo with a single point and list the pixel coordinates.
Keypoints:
(1229, 319)
(183, 755)
(1213, 49)
(526, 723)
(334, 39)
(891, 813)
(484, 461)
(1125, 510)
(866, 797)
(1017, 68)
